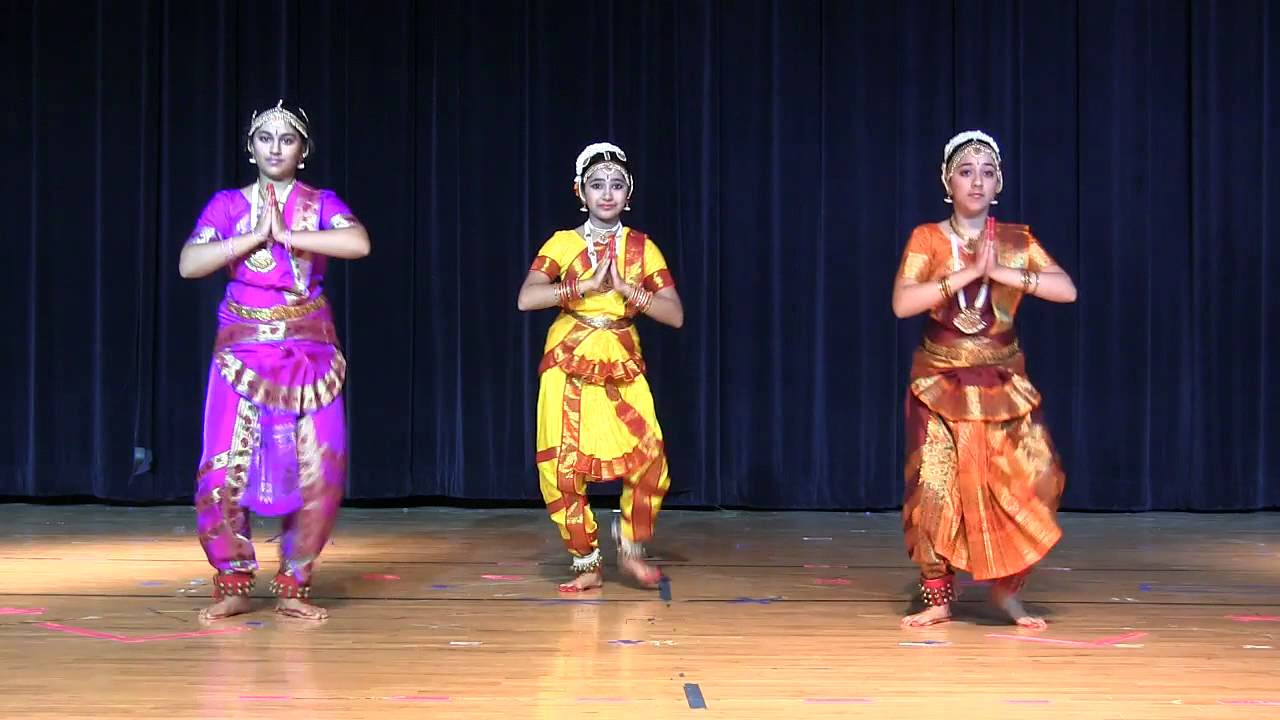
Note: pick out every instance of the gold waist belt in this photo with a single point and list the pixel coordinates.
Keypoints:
(277, 312)
(973, 352)
(601, 322)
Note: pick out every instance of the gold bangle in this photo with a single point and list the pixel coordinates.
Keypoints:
(944, 286)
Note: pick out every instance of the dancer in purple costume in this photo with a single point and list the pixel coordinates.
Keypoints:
(274, 427)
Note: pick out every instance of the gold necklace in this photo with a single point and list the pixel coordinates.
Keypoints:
(968, 243)
(969, 320)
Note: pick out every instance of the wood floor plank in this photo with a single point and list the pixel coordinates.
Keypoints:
(454, 613)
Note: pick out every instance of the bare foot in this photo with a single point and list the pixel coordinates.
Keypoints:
(583, 582)
(226, 607)
(932, 615)
(299, 608)
(644, 573)
(1018, 614)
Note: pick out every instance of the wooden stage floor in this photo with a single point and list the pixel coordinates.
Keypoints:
(444, 613)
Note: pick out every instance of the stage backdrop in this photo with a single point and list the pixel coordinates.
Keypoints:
(783, 152)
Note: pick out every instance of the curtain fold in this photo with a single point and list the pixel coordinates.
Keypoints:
(783, 151)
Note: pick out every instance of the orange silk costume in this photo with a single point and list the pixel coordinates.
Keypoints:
(983, 480)
(596, 419)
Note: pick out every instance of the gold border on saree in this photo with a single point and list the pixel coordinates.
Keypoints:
(277, 312)
(972, 352)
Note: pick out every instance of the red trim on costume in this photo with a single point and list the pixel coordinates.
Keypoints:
(575, 522)
(642, 519)
(596, 372)
(581, 263)
(547, 266)
(633, 263)
(659, 280)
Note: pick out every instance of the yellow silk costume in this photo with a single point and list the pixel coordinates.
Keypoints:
(596, 419)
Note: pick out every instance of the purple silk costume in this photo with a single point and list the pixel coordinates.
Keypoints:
(274, 425)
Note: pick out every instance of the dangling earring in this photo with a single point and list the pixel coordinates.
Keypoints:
(301, 165)
(627, 207)
(947, 199)
(995, 201)
(253, 160)
(582, 209)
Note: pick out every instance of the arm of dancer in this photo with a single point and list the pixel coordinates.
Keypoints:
(1052, 283)
(539, 291)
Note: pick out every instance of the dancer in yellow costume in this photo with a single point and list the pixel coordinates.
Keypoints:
(596, 420)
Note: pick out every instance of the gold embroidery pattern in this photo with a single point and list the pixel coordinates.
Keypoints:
(235, 459)
(914, 266)
(217, 462)
(932, 515)
(956, 401)
(310, 454)
(306, 217)
(243, 440)
(203, 235)
(1038, 259)
(342, 220)
(261, 260)
(1013, 250)
(937, 470)
(602, 322)
(303, 398)
(301, 264)
(312, 330)
(277, 312)
(320, 476)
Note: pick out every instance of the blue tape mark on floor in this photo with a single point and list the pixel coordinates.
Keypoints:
(693, 694)
(664, 588)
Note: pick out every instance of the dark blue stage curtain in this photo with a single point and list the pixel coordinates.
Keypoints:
(783, 152)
